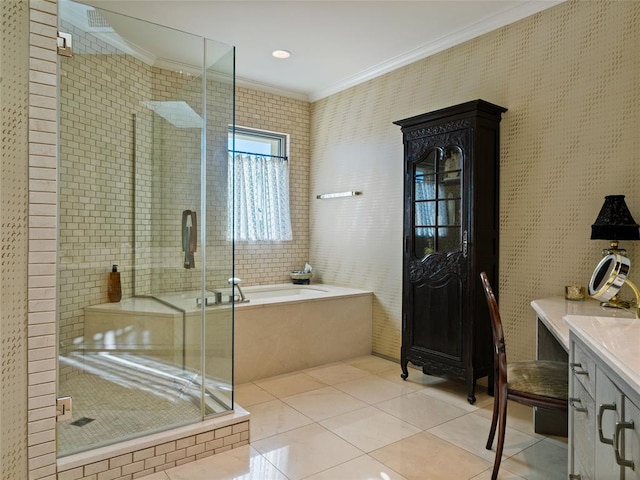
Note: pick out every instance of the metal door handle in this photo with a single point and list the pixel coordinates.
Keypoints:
(575, 366)
(603, 407)
(620, 460)
(465, 244)
(573, 401)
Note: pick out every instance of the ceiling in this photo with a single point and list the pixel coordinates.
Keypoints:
(334, 44)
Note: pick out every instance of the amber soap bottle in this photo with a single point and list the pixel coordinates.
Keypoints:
(114, 290)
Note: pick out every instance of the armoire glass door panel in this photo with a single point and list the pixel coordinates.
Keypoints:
(449, 212)
(448, 239)
(424, 241)
(437, 205)
(451, 165)
(425, 213)
(425, 186)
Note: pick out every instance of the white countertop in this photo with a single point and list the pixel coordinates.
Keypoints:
(612, 334)
(552, 310)
(615, 340)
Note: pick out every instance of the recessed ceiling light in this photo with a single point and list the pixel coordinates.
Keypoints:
(281, 53)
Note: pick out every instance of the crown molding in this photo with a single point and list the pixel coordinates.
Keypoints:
(263, 87)
(481, 27)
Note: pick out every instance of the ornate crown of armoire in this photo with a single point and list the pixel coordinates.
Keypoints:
(451, 186)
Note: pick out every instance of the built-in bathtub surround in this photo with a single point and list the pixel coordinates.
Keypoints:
(280, 329)
(293, 327)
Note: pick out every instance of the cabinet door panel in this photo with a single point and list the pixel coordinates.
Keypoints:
(437, 319)
(609, 405)
(632, 440)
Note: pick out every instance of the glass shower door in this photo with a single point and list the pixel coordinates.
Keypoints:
(133, 192)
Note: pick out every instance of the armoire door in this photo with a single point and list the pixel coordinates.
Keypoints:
(437, 264)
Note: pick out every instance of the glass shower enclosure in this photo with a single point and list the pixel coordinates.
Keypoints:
(145, 319)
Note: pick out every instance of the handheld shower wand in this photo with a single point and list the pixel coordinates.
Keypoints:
(189, 237)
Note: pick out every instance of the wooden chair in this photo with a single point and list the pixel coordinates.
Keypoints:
(537, 383)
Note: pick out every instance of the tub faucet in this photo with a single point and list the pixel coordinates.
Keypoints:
(235, 282)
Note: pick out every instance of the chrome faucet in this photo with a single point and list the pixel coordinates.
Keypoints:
(236, 283)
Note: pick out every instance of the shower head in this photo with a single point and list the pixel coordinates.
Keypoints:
(234, 281)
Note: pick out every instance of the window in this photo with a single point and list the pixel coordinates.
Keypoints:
(258, 185)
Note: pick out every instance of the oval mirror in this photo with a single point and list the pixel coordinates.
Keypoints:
(609, 276)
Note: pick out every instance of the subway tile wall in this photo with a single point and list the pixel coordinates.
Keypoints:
(41, 283)
(142, 462)
(97, 98)
(101, 225)
(263, 263)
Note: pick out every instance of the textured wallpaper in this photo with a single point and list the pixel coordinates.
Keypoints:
(568, 76)
(13, 218)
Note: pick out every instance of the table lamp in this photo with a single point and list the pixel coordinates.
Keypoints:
(615, 223)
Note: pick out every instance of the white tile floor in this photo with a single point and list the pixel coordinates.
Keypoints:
(358, 420)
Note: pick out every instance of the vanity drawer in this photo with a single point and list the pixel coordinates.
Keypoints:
(583, 368)
(582, 409)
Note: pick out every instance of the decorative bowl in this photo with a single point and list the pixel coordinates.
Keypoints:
(301, 278)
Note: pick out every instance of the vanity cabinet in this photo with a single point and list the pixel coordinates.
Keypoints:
(604, 420)
(451, 184)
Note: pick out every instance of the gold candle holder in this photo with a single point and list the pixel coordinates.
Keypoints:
(575, 293)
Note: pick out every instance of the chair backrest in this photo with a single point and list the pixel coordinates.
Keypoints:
(499, 349)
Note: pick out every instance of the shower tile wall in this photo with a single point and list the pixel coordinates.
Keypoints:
(568, 76)
(262, 263)
(98, 94)
(97, 184)
(175, 186)
(108, 218)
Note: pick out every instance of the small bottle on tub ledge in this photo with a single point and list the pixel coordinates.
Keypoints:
(114, 288)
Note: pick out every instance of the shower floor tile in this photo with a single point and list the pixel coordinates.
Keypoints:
(114, 403)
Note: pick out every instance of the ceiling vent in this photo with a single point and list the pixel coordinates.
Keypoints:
(96, 22)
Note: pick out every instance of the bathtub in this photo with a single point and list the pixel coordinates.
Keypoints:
(281, 328)
(264, 294)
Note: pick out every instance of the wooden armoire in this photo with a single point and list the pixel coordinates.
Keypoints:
(451, 224)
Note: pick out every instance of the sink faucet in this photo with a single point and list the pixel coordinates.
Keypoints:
(236, 283)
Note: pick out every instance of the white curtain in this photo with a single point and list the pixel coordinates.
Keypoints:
(260, 206)
(426, 211)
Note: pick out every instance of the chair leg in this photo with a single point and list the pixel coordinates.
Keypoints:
(502, 424)
(494, 418)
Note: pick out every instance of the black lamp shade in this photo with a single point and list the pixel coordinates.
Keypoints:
(614, 221)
